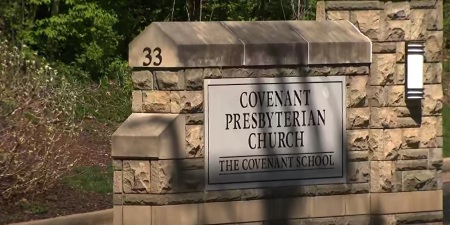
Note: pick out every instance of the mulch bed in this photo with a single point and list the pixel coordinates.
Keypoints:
(61, 200)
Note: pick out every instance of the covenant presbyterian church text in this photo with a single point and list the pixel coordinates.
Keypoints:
(262, 100)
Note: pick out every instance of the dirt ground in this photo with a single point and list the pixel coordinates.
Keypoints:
(63, 200)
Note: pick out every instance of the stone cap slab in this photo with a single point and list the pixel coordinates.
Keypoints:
(149, 135)
(249, 43)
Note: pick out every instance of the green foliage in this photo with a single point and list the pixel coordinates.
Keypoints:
(91, 37)
(446, 126)
(91, 179)
(36, 208)
(83, 35)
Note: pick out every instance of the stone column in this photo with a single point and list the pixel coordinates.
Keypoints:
(404, 139)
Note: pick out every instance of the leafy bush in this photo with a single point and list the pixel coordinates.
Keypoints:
(41, 115)
(37, 123)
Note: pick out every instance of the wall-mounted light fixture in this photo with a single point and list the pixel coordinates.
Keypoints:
(414, 70)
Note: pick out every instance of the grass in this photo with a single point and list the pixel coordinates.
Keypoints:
(91, 179)
(37, 208)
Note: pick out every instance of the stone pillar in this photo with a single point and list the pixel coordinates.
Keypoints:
(404, 139)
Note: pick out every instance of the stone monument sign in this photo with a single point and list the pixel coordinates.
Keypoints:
(285, 122)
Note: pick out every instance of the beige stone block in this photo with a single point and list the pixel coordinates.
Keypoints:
(400, 51)
(156, 101)
(419, 180)
(434, 46)
(411, 138)
(384, 47)
(133, 215)
(378, 96)
(332, 189)
(436, 21)
(320, 11)
(368, 22)
(117, 165)
(195, 141)
(435, 121)
(175, 214)
(357, 204)
(186, 101)
(419, 23)
(327, 206)
(396, 95)
(421, 4)
(392, 139)
(385, 145)
(195, 119)
(136, 101)
(358, 172)
(422, 201)
(256, 210)
(382, 118)
(117, 187)
(405, 165)
(194, 79)
(397, 10)
(147, 199)
(171, 176)
(118, 199)
(428, 218)
(433, 102)
(291, 208)
(136, 176)
(357, 140)
(409, 154)
(383, 68)
(400, 74)
(355, 220)
(395, 30)
(142, 80)
(170, 80)
(389, 203)
(435, 159)
(117, 215)
(431, 128)
(212, 73)
(338, 15)
(382, 176)
(218, 212)
(383, 220)
(356, 91)
(375, 141)
(357, 156)
(407, 122)
(358, 118)
(149, 135)
(432, 73)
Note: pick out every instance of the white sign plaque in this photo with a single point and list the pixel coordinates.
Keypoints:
(263, 132)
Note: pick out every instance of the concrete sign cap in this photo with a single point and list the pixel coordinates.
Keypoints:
(253, 43)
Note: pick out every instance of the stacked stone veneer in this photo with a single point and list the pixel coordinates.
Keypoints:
(404, 139)
(394, 149)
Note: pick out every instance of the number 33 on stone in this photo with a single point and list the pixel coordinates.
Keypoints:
(156, 53)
